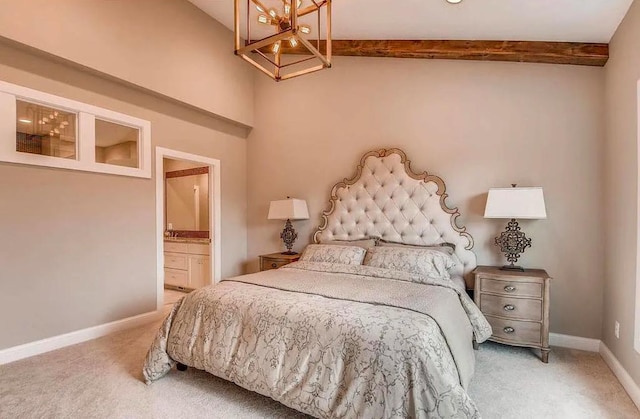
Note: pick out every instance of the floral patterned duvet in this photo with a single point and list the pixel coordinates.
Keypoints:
(331, 340)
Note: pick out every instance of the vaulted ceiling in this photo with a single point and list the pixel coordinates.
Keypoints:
(509, 20)
(554, 31)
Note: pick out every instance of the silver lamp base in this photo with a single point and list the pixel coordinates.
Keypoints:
(512, 243)
(289, 236)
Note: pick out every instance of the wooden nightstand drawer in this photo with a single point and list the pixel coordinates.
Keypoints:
(519, 288)
(512, 308)
(514, 331)
(276, 260)
(272, 264)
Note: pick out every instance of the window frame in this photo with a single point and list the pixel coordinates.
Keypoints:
(85, 135)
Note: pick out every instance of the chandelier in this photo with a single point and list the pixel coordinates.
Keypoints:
(282, 31)
(54, 123)
(39, 120)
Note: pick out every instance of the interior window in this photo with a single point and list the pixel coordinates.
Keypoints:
(117, 144)
(45, 130)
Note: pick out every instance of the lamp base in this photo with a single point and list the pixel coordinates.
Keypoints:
(288, 236)
(512, 243)
(512, 268)
(289, 253)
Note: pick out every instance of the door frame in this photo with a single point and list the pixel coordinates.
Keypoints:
(636, 331)
(215, 250)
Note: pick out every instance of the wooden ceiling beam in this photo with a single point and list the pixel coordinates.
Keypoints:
(573, 53)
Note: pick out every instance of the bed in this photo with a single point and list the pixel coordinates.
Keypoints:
(373, 321)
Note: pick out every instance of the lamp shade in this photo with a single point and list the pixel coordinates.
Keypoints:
(288, 209)
(522, 203)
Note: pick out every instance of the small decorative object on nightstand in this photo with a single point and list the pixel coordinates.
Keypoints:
(288, 209)
(512, 203)
(276, 260)
(516, 304)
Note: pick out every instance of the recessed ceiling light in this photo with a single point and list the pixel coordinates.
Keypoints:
(25, 121)
(454, 1)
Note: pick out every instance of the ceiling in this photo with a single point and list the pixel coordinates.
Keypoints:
(516, 20)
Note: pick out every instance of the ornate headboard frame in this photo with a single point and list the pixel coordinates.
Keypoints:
(385, 199)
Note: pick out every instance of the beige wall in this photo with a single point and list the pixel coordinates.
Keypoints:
(621, 196)
(167, 46)
(79, 249)
(475, 124)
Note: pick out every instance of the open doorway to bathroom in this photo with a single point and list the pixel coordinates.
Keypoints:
(188, 224)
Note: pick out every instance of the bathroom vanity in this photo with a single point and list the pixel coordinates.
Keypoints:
(187, 263)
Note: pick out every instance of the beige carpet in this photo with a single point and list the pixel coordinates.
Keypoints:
(102, 379)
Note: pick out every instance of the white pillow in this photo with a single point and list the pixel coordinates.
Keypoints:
(423, 262)
(331, 253)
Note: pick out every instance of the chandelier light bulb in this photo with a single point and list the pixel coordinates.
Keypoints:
(276, 47)
(260, 9)
(264, 19)
(306, 29)
(273, 13)
(293, 42)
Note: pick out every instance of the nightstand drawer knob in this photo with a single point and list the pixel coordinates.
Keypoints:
(509, 307)
(509, 288)
(274, 265)
(509, 329)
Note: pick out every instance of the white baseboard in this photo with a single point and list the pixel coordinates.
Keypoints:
(26, 350)
(574, 342)
(623, 376)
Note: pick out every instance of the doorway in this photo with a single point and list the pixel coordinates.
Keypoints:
(187, 221)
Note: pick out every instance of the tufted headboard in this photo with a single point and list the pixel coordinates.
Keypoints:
(387, 200)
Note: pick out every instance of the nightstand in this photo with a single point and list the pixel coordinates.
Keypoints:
(276, 260)
(516, 304)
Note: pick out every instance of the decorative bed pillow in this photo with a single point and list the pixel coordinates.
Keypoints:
(331, 253)
(364, 243)
(420, 261)
(447, 248)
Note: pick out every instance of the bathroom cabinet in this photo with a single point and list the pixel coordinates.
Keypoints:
(187, 264)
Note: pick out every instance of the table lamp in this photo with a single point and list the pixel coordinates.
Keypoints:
(514, 203)
(288, 209)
